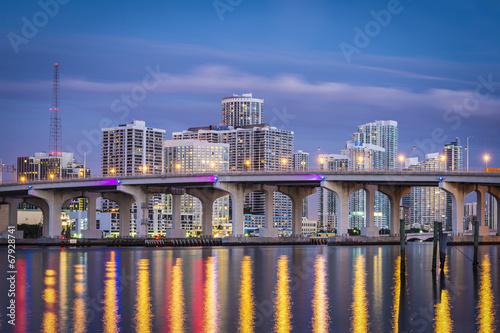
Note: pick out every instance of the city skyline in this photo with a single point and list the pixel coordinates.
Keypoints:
(185, 59)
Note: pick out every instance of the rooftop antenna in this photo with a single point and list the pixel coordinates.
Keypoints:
(55, 136)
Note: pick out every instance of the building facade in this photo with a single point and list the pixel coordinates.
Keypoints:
(242, 110)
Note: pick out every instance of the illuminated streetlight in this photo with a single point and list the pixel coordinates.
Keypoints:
(112, 171)
(284, 161)
(401, 159)
(51, 176)
(486, 159)
(212, 164)
(23, 179)
(321, 160)
(178, 167)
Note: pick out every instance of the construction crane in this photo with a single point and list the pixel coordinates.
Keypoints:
(55, 136)
(7, 168)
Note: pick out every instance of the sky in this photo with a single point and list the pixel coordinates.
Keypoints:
(322, 67)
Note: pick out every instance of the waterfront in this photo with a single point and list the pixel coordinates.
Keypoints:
(260, 289)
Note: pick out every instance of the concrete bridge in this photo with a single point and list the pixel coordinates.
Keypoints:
(51, 195)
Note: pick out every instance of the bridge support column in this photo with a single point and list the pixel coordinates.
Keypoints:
(142, 200)
(207, 197)
(176, 231)
(124, 202)
(458, 192)
(495, 192)
(91, 231)
(395, 194)
(343, 190)
(268, 230)
(297, 195)
(44, 207)
(369, 229)
(54, 200)
(484, 230)
(13, 203)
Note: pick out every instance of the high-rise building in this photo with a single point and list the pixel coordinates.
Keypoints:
(374, 146)
(44, 166)
(301, 162)
(453, 155)
(242, 110)
(197, 156)
(133, 149)
(253, 148)
(426, 204)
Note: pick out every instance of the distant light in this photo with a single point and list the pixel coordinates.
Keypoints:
(62, 237)
(322, 177)
(119, 181)
(441, 178)
(156, 237)
(216, 178)
(56, 64)
(29, 186)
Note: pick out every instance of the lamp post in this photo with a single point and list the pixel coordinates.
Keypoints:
(467, 149)
(443, 159)
(401, 159)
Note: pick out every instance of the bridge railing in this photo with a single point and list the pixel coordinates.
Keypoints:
(258, 172)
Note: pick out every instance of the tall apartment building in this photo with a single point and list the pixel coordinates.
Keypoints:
(242, 110)
(133, 149)
(374, 146)
(426, 204)
(300, 162)
(253, 148)
(453, 154)
(197, 156)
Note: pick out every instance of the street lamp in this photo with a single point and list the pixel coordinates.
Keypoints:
(486, 159)
(303, 163)
(401, 159)
(112, 171)
(23, 179)
(51, 176)
(284, 161)
(178, 167)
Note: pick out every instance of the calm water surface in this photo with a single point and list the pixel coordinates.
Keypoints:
(252, 289)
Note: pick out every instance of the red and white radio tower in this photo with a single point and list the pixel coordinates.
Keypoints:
(55, 137)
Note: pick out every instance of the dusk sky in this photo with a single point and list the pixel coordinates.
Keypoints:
(432, 66)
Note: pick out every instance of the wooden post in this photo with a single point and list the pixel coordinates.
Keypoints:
(435, 245)
(403, 244)
(476, 242)
(442, 246)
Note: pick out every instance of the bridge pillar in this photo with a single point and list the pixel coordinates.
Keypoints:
(176, 231)
(297, 195)
(480, 190)
(395, 194)
(142, 200)
(124, 202)
(238, 192)
(207, 197)
(343, 190)
(369, 229)
(13, 204)
(268, 230)
(91, 231)
(55, 200)
(495, 192)
(44, 207)
(458, 192)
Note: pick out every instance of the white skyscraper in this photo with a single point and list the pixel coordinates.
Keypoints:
(242, 110)
(132, 149)
(197, 156)
(253, 148)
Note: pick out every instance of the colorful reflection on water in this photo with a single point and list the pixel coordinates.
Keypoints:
(111, 316)
(321, 318)
(253, 289)
(211, 317)
(282, 302)
(247, 316)
(177, 299)
(49, 298)
(143, 314)
(486, 316)
(359, 319)
(397, 296)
